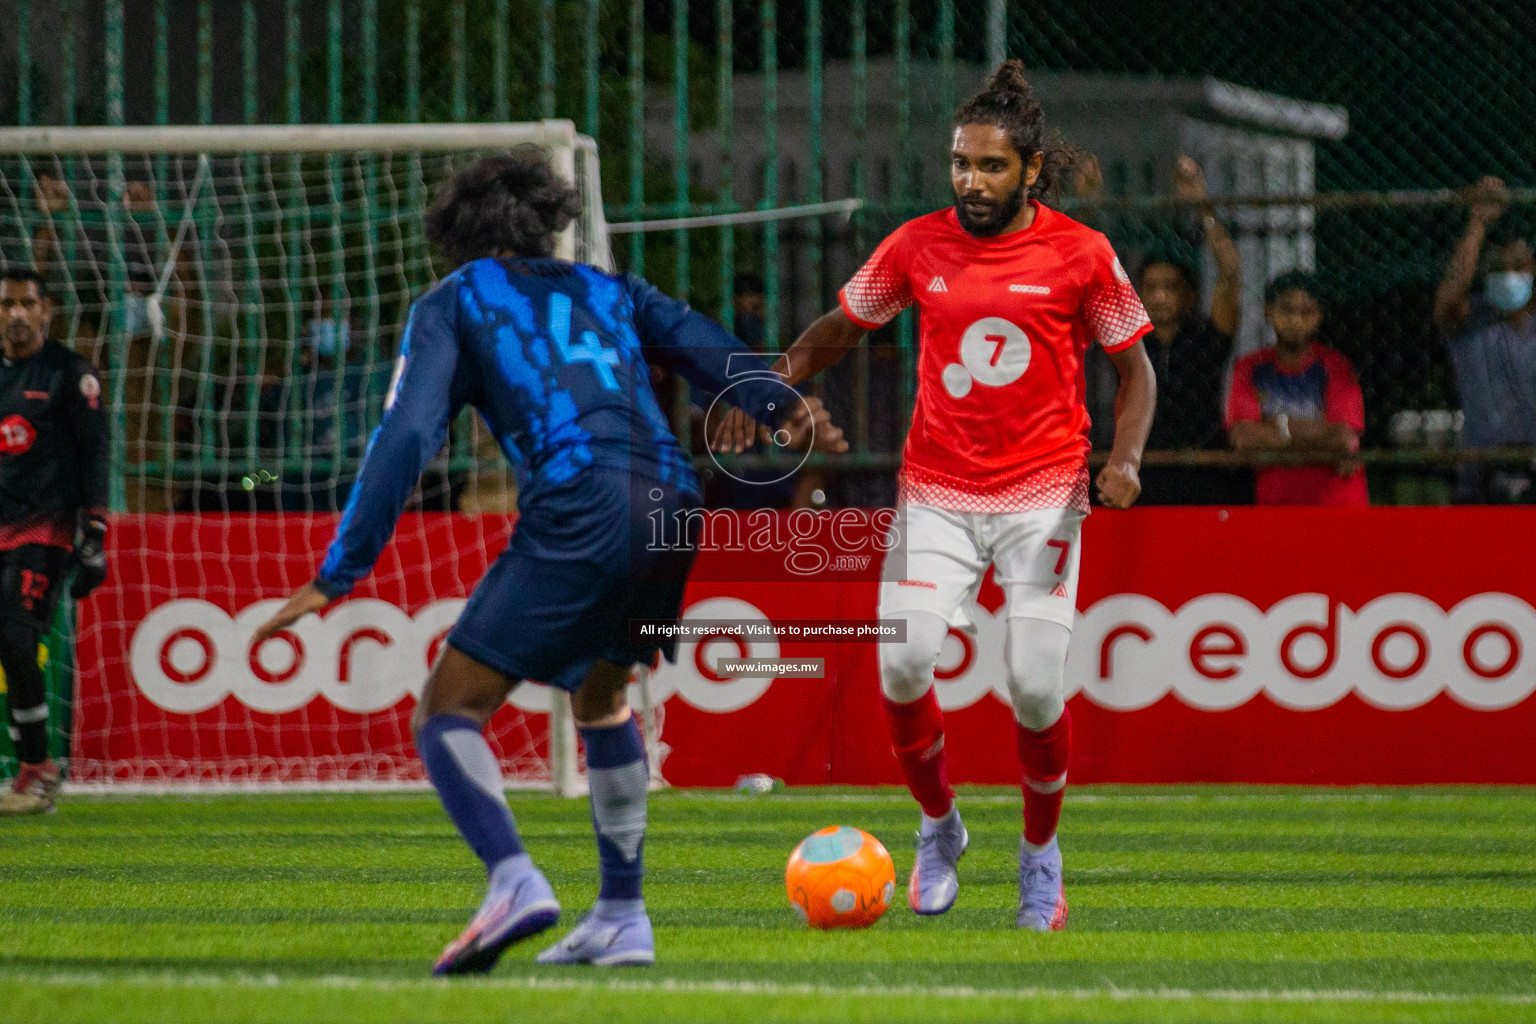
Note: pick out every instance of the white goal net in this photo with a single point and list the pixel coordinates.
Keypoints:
(244, 290)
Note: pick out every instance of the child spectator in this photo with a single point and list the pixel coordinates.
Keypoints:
(1298, 396)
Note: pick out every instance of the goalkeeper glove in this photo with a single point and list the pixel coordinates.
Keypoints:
(90, 559)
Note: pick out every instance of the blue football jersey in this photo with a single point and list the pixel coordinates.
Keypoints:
(557, 358)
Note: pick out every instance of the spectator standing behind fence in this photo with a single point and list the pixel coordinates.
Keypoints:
(1298, 396)
(1190, 353)
(1492, 338)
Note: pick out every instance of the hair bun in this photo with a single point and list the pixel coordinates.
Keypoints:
(1008, 102)
(1010, 78)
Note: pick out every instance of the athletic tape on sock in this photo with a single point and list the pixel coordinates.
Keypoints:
(1047, 785)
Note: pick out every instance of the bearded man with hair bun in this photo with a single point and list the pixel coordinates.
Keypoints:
(995, 472)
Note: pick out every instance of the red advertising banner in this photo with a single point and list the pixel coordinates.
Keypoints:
(169, 688)
(1333, 646)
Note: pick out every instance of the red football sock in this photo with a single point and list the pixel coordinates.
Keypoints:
(1043, 758)
(917, 736)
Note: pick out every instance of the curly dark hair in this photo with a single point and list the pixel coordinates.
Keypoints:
(1008, 102)
(513, 202)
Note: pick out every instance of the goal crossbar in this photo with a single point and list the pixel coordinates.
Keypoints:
(272, 138)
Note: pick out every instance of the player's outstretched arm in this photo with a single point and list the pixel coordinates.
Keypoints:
(880, 290)
(712, 359)
(825, 342)
(1119, 482)
(810, 429)
(422, 401)
(308, 598)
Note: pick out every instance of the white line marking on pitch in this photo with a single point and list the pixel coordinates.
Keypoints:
(767, 988)
(1077, 798)
(130, 791)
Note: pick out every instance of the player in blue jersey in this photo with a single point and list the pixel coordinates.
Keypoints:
(557, 358)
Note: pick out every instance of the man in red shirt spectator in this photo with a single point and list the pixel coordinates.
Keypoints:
(1298, 396)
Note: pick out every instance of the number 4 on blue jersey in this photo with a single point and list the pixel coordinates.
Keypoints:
(588, 350)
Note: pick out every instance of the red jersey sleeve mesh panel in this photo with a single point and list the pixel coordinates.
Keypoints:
(881, 288)
(1113, 311)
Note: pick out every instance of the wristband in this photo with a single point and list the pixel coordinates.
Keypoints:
(1283, 425)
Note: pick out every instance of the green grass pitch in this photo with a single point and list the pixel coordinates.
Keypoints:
(1188, 904)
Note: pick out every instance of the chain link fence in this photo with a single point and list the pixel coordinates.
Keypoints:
(1332, 138)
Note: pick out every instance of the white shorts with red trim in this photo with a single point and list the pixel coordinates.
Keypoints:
(937, 559)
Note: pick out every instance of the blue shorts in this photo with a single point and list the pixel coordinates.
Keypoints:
(580, 565)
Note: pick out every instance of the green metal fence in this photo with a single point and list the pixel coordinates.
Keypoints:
(716, 106)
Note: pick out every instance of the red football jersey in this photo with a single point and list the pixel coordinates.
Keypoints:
(1323, 388)
(1001, 424)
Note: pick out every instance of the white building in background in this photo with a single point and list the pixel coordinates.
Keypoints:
(1249, 143)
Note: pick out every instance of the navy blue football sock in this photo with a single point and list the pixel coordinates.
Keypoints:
(619, 781)
(464, 772)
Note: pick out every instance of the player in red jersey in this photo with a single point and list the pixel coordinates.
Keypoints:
(1011, 294)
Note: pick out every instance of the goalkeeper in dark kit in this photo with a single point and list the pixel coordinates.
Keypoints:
(53, 499)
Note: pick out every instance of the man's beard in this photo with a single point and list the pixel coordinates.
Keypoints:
(20, 335)
(998, 217)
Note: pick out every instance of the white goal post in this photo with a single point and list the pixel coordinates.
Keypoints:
(243, 289)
